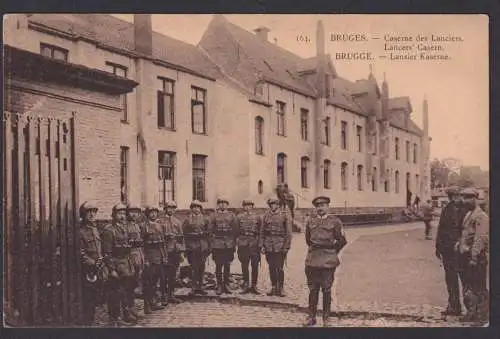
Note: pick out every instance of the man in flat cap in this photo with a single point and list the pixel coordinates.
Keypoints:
(223, 226)
(249, 245)
(155, 258)
(448, 233)
(325, 238)
(473, 249)
(276, 239)
(116, 248)
(174, 238)
(197, 241)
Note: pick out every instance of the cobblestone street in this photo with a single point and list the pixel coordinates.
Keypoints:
(389, 277)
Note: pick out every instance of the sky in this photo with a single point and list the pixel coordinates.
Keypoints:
(457, 89)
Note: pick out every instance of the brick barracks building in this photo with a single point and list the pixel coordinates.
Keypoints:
(160, 119)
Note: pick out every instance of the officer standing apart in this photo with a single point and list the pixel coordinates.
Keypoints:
(473, 250)
(91, 256)
(116, 249)
(448, 233)
(197, 240)
(426, 210)
(325, 238)
(155, 257)
(174, 239)
(136, 252)
(249, 245)
(223, 225)
(276, 239)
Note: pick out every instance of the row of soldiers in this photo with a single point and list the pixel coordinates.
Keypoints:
(128, 252)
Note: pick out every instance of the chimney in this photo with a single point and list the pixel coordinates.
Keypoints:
(320, 39)
(425, 110)
(262, 32)
(143, 34)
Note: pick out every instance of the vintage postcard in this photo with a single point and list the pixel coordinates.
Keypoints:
(246, 170)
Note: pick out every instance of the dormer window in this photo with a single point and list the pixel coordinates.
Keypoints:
(259, 89)
(54, 52)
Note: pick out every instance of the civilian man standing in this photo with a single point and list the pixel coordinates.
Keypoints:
(325, 238)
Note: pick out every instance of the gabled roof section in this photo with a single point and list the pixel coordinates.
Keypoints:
(247, 56)
(400, 103)
(119, 34)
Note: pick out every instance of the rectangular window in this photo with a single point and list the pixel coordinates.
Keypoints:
(326, 174)
(199, 177)
(325, 139)
(259, 135)
(343, 135)
(343, 176)
(304, 162)
(124, 174)
(54, 52)
(120, 71)
(198, 111)
(280, 114)
(407, 151)
(360, 178)
(415, 158)
(359, 130)
(166, 115)
(166, 176)
(304, 123)
(396, 148)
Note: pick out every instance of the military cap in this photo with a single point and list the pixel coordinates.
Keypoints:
(195, 203)
(272, 200)
(149, 208)
(170, 204)
(221, 200)
(468, 192)
(453, 190)
(247, 202)
(133, 207)
(86, 206)
(320, 200)
(119, 207)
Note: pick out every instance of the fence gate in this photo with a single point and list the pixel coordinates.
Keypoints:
(42, 268)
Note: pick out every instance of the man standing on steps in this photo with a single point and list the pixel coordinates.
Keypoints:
(448, 233)
(223, 225)
(175, 246)
(325, 238)
(155, 258)
(249, 245)
(276, 239)
(197, 240)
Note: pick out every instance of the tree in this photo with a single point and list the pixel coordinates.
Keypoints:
(440, 173)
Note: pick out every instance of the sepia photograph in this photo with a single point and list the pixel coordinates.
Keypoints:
(245, 170)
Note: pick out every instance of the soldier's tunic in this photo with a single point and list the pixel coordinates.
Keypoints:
(249, 244)
(174, 241)
(223, 227)
(116, 248)
(426, 211)
(473, 246)
(91, 254)
(276, 240)
(137, 247)
(448, 233)
(197, 242)
(325, 238)
(155, 255)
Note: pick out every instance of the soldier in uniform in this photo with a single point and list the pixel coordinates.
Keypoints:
(117, 252)
(136, 252)
(448, 233)
(426, 210)
(223, 227)
(174, 239)
(155, 258)
(197, 241)
(473, 251)
(325, 238)
(249, 245)
(92, 260)
(276, 236)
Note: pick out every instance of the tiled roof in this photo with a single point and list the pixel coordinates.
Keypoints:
(119, 34)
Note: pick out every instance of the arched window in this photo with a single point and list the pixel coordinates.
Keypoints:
(360, 177)
(260, 187)
(408, 183)
(281, 167)
(417, 184)
(387, 182)
(396, 183)
(374, 180)
(259, 135)
(304, 165)
(343, 175)
(326, 173)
